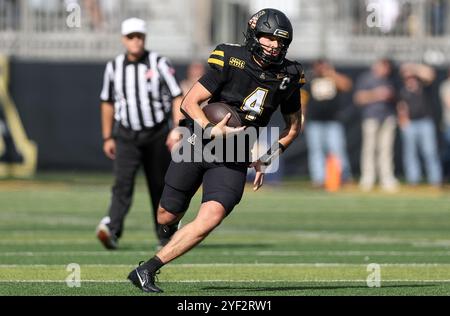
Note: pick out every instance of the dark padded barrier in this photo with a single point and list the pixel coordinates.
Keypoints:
(60, 110)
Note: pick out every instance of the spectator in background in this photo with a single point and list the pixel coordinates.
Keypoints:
(444, 93)
(375, 94)
(325, 135)
(194, 72)
(416, 124)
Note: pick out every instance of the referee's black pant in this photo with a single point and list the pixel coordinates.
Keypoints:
(133, 149)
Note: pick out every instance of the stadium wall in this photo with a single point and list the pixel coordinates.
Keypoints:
(60, 110)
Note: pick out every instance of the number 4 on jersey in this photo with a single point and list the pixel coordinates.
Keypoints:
(254, 103)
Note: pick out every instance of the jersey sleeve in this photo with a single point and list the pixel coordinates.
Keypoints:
(293, 102)
(168, 73)
(107, 93)
(214, 76)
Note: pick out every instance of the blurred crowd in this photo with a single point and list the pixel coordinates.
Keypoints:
(385, 104)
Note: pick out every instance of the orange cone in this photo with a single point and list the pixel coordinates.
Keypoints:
(333, 171)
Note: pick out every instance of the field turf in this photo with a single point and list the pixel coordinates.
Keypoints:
(285, 240)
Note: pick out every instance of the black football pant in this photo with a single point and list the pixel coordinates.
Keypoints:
(133, 149)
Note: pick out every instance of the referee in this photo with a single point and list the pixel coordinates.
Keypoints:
(140, 100)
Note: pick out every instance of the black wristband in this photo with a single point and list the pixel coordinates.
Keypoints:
(266, 159)
(107, 138)
(207, 130)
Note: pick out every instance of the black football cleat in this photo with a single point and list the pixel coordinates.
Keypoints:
(144, 279)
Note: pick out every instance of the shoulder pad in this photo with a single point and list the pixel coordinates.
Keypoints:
(296, 69)
(220, 55)
(217, 56)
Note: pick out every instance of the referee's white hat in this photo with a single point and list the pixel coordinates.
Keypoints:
(133, 25)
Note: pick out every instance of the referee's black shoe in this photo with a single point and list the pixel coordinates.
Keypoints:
(144, 279)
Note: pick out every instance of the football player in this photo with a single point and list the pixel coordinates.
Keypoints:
(255, 79)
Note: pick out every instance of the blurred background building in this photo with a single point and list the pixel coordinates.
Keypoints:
(58, 48)
(344, 31)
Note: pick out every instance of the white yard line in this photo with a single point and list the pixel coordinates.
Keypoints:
(288, 253)
(229, 281)
(48, 241)
(70, 253)
(256, 265)
(293, 234)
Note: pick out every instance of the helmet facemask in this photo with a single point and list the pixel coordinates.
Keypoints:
(272, 23)
(259, 50)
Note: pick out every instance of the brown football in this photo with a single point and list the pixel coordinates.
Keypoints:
(216, 111)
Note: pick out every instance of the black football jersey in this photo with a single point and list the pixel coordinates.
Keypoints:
(236, 79)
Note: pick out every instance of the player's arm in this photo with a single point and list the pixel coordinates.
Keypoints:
(205, 87)
(191, 104)
(289, 134)
(292, 111)
(292, 114)
(305, 97)
(293, 127)
(191, 107)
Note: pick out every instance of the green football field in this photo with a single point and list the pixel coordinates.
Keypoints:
(284, 240)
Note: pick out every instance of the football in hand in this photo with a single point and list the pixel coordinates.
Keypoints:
(215, 112)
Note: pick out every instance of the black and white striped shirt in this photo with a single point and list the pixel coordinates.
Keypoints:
(141, 91)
